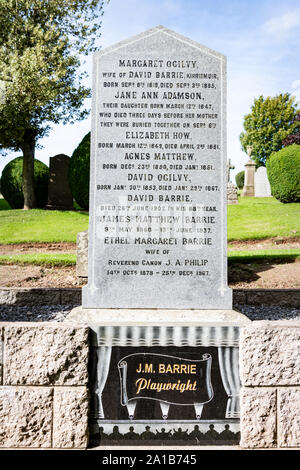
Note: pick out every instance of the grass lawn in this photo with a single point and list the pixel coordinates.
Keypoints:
(251, 218)
(40, 259)
(269, 256)
(257, 218)
(68, 259)
(37, 225)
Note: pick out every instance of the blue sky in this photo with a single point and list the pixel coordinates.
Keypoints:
(261, 39)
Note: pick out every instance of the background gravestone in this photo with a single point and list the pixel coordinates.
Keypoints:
(232, 194)
(59, 193)
(157, 229)
(262, 186)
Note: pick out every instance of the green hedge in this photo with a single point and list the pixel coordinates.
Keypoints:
(283, 170)
(11, 183)
(240, 179)
(79, 172)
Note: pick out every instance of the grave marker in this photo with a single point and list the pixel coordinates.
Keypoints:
(262, 186)
(164, 337)
(157, 234)
(59, 193)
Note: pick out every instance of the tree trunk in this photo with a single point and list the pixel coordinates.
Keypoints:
(28, 173)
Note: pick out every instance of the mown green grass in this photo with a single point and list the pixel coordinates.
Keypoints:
(251, 218)
(258, 218)
(69, 259)
(40, 259)
(270, 256)
(37, 225)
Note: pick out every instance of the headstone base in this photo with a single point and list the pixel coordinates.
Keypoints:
(153, 316)
(138, 392)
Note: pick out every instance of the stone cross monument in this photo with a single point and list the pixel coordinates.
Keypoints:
(229, 167)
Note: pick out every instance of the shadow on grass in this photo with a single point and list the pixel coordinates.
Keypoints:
(246, 268)
(4, 206)
(238, 272)
(263, 258)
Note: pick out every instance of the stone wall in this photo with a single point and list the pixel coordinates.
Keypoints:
(43, 385)
(270, 376)
(72, 296)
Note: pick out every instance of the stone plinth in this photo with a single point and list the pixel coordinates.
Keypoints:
(258, 418)
(94, 316)
(270, 377)
(44, 397)
(70, 417)
(26, 417)
(269, 356)
(45, 354)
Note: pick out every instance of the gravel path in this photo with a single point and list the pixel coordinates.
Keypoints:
(269, 312)
(34, 313)
(59, 312)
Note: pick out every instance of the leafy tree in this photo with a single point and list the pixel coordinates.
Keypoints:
(271, 120)
(40, 44)
(293, 138)
(11, 183)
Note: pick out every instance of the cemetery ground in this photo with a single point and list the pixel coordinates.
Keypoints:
(38, 247)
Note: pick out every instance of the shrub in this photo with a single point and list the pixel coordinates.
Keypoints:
(79, 172)
(283, 170)
(240, 179)
(11, 183)
(293, 138)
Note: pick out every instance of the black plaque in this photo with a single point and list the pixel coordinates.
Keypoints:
(137, 414)
(165, 378)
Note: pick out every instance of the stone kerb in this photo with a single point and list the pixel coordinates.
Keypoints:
(43, 385)
(270, 376)
(72, 296)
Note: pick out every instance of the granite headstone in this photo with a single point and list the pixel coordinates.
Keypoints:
(59, 192)
(157, 230)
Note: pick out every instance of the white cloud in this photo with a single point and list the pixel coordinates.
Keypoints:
(296, 90)
(284, 24)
